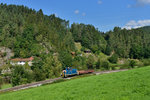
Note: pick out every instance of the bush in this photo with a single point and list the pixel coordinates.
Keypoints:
(105, 65)
(113, 58)
(132, 63)
(146, 62)
(39, 75)
(98, 64)
(23, 80)
(115, 66)
(21, 76)
(139, 64)
(0, 71)
(1, 82)
(82, 49)
(90, 62)
(125, 65)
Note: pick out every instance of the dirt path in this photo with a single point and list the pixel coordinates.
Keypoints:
(36, 84)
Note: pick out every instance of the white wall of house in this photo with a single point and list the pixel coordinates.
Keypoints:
(21, 63)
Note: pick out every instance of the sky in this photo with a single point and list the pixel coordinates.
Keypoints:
(103, 14)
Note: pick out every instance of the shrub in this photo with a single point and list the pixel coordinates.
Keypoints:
(0, 71)
(1, 82)
(105, 64)
(23, 81)
(132, 63)
(98, 64)
(139, 64)
(21, 76)
(115, 66)
(83, 48)
(39, 75)
(146, 62)
(125, 65)
(113, 58)
(90, 62)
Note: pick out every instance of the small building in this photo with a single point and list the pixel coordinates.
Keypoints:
(22, 61)
(87, 51)
(73, 54)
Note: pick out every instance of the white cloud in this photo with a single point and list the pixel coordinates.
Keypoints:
(136, 24)
(83, 14)
(142, 2)
(99, 2)
(139, 3)
(129, 6)
(80, 13)
(76, 11)
(56, 14)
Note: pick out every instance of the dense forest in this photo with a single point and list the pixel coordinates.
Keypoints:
(50, 40)
(89, 37)
(133, 43)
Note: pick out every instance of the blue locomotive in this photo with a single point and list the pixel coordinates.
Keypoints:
(69, 72)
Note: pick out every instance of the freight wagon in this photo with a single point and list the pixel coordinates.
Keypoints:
(70, 72)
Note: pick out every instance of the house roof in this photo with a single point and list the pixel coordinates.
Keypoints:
(73, 53)
(23, 59)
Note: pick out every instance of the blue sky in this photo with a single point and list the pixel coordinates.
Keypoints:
(103, 14)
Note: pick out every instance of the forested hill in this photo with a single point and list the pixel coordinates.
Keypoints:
(55, 45)
(133, 43)
(31, 33)
(146, 28)
(89, 37)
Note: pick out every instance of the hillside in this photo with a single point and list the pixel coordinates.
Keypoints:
(133, 43)
(55, 45)
(146, 28)
(31, 33)
(49, 39)
(128, 85)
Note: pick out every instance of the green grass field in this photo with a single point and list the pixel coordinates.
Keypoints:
(128, 85)
(5, 86)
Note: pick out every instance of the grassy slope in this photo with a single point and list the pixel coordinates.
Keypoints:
(129, 85)
(5, 86)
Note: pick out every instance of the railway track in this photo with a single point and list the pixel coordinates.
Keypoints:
(106, 72)
(30, 85)
(36, 84)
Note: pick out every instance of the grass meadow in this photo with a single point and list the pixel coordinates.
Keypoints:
(5, 86)
(129, 85)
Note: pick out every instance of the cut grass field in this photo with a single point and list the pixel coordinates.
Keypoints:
(128, 85)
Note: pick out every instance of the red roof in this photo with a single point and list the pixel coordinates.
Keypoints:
(23, 59)
(73, 53)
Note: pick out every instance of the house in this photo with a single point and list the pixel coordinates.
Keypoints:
(73, 54)
(22, 61)
(87, 51)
